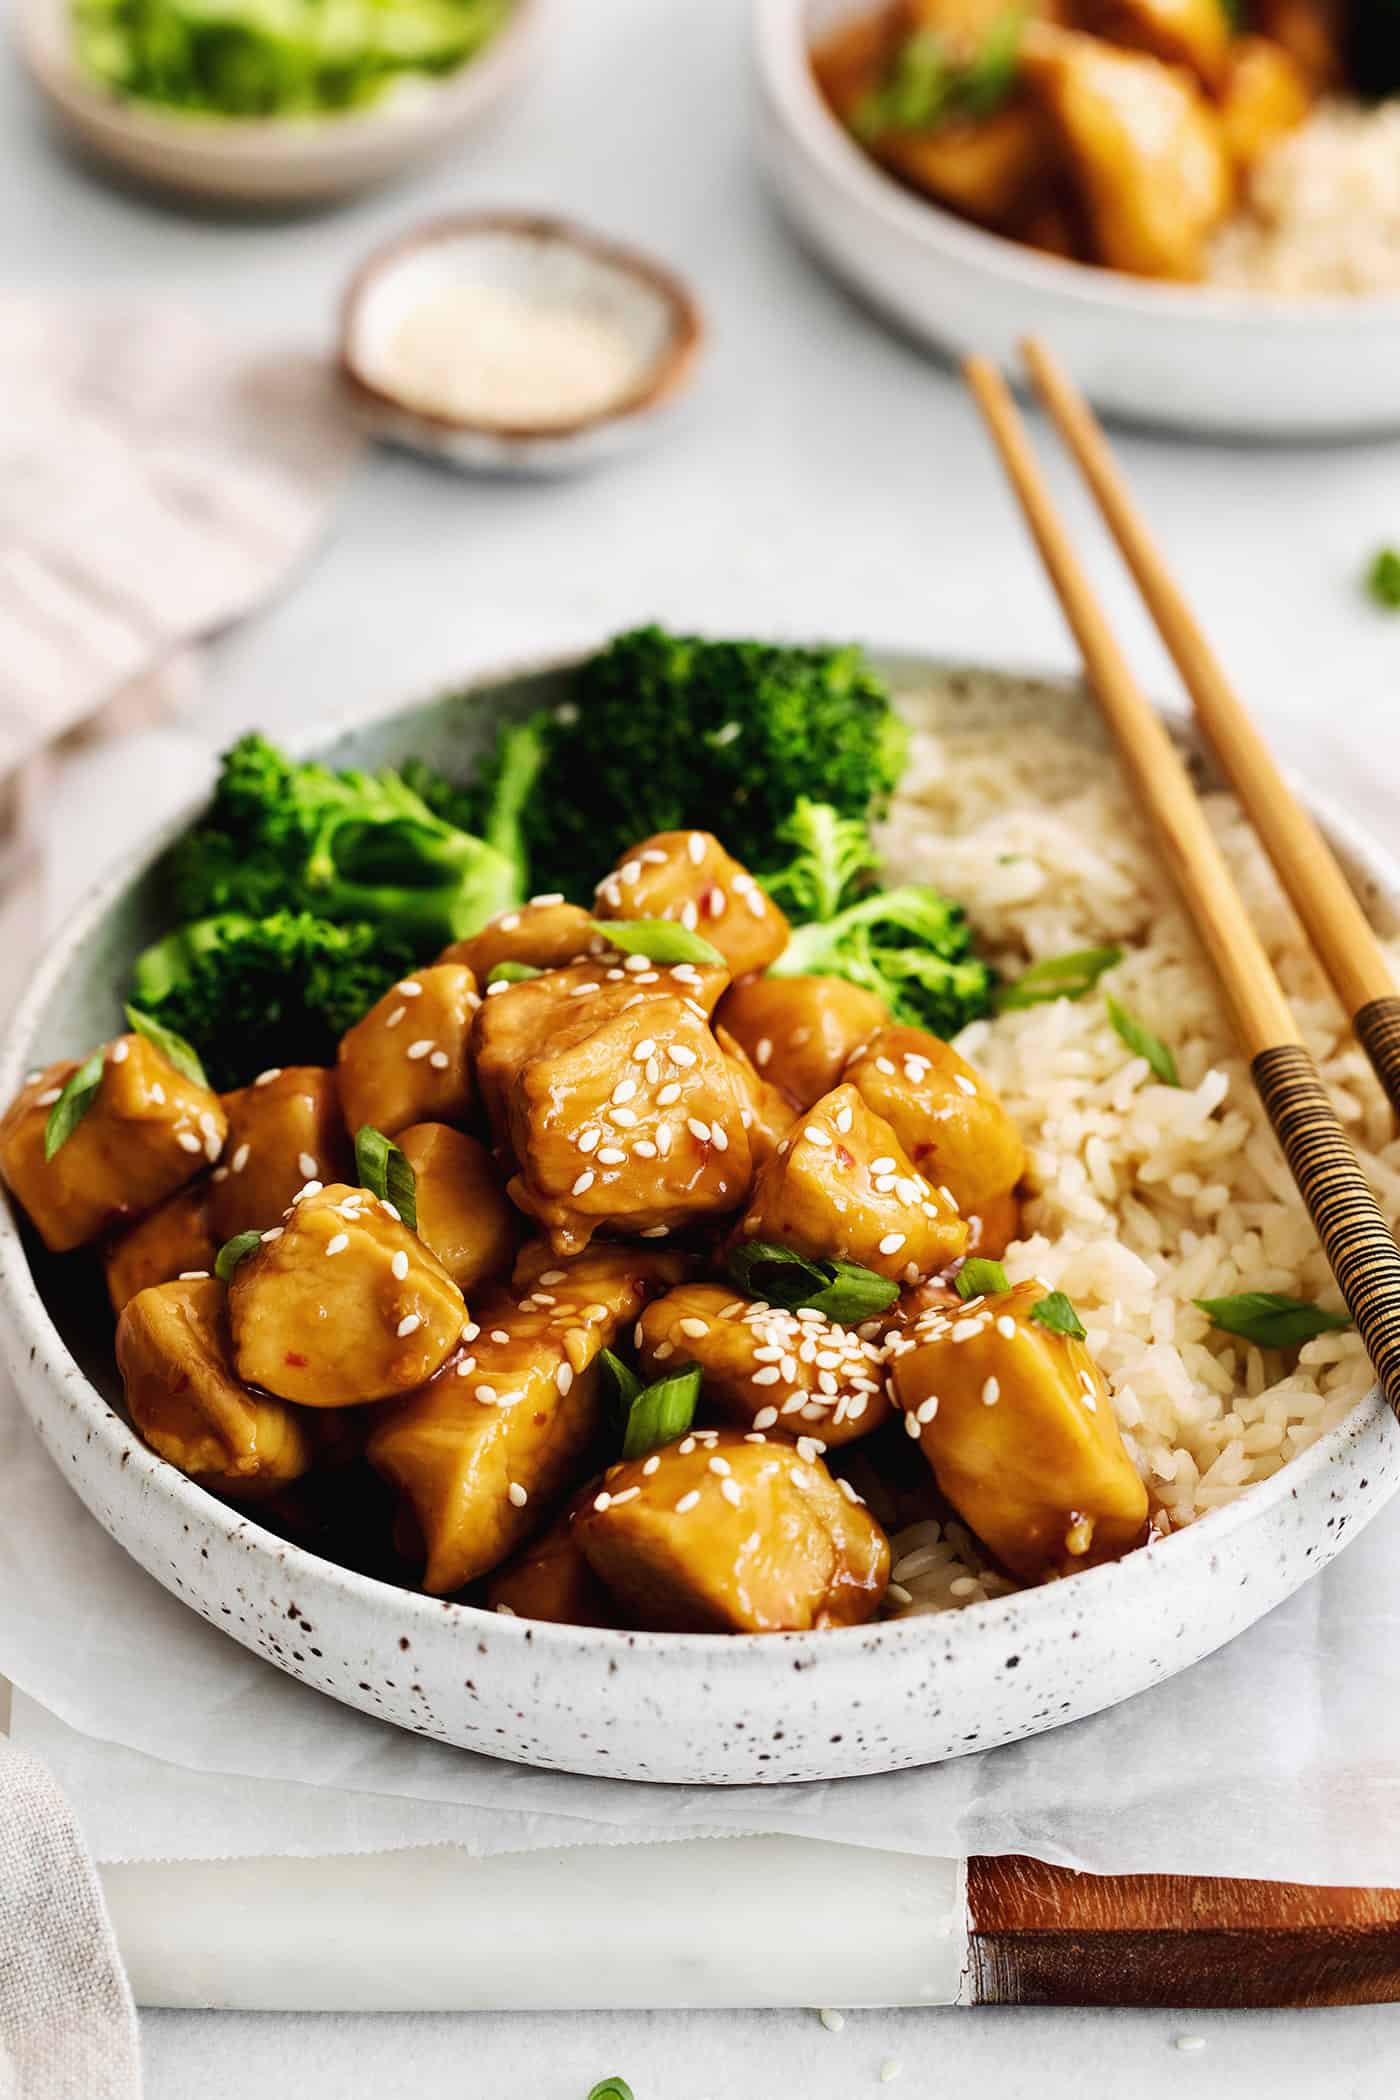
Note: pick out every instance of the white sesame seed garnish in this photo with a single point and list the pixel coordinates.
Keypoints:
(1006, 1327)
(891, 2067)
(849, 1492)
(583, 1184)
(731, 1492)
(439, 1060)
(466, 1367)
(698, 1129)
(645, 1049)
(765, 1418)
(693, 1327)
(499, 1334)
(652, 1465)
(655, 1232)
(48, 1097)
(266, 1078)
(398, 1267)
(991, 1392)
(338, 1243)
(563, 1378)
(892, 1242)
(602, 1502)
(518, 1496)
(588, 1141)
(192, 1275)
(581, 991)
(391, 1209)
(120, 1051)
(486, 1394)
(833, 2022)
(188, 1142)
(690, 915)
(275, 1233)
(470, 1331)
(927, 1409)
(392, 1020)
(307, 1166)
(547, 897)
(815, 1135)
(687, 1502)
(421, 1048)
(409, 1324)
(680, 1054)
(1189, 2043)
(410, 986)
(611, 1156)
(695, 847)
(720, 1465)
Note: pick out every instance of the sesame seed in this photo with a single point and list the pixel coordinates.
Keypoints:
(547, 897)
(669, 1094)
(502, 984)
(581, 991)
(663, 1350)
(644, 1149)
(563, 1378)
(652, 1465)
(274, 1234)
(499, 1334)
(420, 1048)
(589, 1140)
(439, 1060)
(624, 1090)
(307, 1166)
(693, 1327)
(833, 2022)
(611, 1156)
(191, 1275)
(399, 1265)
(308, 1188)
(470, 1331)
(731, 1492)
(765, 1418)
(655, 1232)
(553, 1276)
(240, 1157)
(338, 1244)
(517, 1495)
(1189, 2043)
(583, 1184)
(486, 1394)
(409, 1324)
(466, 1367)
(392, 1020)
(625, 1118)
(680, 1054)
(391, 1209)
(718, 1138)
(698, 1129)
(849, 1492)
(769, 1375)
(49, 1096)
(911, 1425)
(687, 1502)
(120, 1051)
(664, 1136)
(603, 1501)
(219, 1174)
(410, 986)
(635, 964)
(188, 1142)
(690, 915)
(266, 1078)
(891, 2067)
(892, 1242)
(157, 1094)
(1006, 1327)
(695, 847)
(719, 1465)
(645, 1049)
(509, 923)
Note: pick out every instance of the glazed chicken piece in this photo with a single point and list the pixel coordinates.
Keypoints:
(550, 1578)
(175, 1356)
(1195, 34)
(725, 1533)
(147, 1132)
(768, 1114)
(1017, 1423)
(988, 170)
(173, 1240)
(407, 1061)
(544, 934)
(283, 1131)
(1266, 96)
(490, 1445)
(792, 1374)
(687, 876)
(945, 1115)
(633, 1124)
(800, 1031)
(841, 1187)
(342, 1304)
(518, 1020)
(1145, 146)
(464, 1214)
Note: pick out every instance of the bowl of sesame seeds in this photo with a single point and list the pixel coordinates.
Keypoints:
(1253, 1468)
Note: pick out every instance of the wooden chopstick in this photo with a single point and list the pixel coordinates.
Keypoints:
(1356, 1238)
(1338, 929)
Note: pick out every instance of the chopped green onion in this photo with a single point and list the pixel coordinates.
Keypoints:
(74, 1102)
(233, 1252)
(383, 1170)
(611, 2089)
(510, 973)
(980, 1278)
(173, 1048)
(1271, 1319)
(1056, 1313)
(839, 1290)
(660, 940)
(662, 1412)
(626, 1383)
(1143, 1043)
(1383, 579)
(1058, 977)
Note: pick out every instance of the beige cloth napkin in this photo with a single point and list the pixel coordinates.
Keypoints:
(156, 483)
(67, 2023)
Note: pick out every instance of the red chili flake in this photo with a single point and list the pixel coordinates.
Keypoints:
(298, 1362)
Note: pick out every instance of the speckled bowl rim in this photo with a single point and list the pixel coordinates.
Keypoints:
(1015, 1616)
(659, 383)
(782, 34)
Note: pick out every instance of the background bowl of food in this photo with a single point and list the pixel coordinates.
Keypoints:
(1206, 1429)
(251, 106)
(1202, 218)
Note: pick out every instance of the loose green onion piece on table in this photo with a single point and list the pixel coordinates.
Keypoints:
(1056, 1313)
(233, 1252)
(626, 1383)
(839, 1290)
(662, 1412)
(660, 940)
(980, 1278)
(510, 973)
(173, 1048)
(74, 1102)
(1143, 1043)
(382, 1169)
(1058, 977)
(611, 2089)
(1383, 579)
(1271, 1319)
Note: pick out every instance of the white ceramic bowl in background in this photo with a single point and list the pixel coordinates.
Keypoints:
(271, 161)
(1187, 356)
(561, 266)
(639, 1705)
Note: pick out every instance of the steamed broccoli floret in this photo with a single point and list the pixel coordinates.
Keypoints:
(665, 731)
(368, 847)
(910, 946)
(276, 990)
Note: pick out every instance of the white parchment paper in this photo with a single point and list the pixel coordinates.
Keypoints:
(1278, 1757)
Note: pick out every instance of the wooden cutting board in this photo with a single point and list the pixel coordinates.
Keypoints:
(1041, 1935)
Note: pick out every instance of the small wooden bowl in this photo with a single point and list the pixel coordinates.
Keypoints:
(550, 260)
(270, 160)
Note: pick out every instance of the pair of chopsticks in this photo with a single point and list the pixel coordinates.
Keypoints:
(1355, 1236)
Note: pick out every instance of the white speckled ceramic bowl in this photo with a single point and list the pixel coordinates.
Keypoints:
(643, 1706)
(271, 161)
(1186, 356)
(548, 262)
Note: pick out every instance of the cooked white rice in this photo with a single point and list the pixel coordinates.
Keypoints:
(1146, 1197)
(1321, 212)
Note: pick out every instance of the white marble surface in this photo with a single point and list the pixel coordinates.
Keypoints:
(827, 478)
